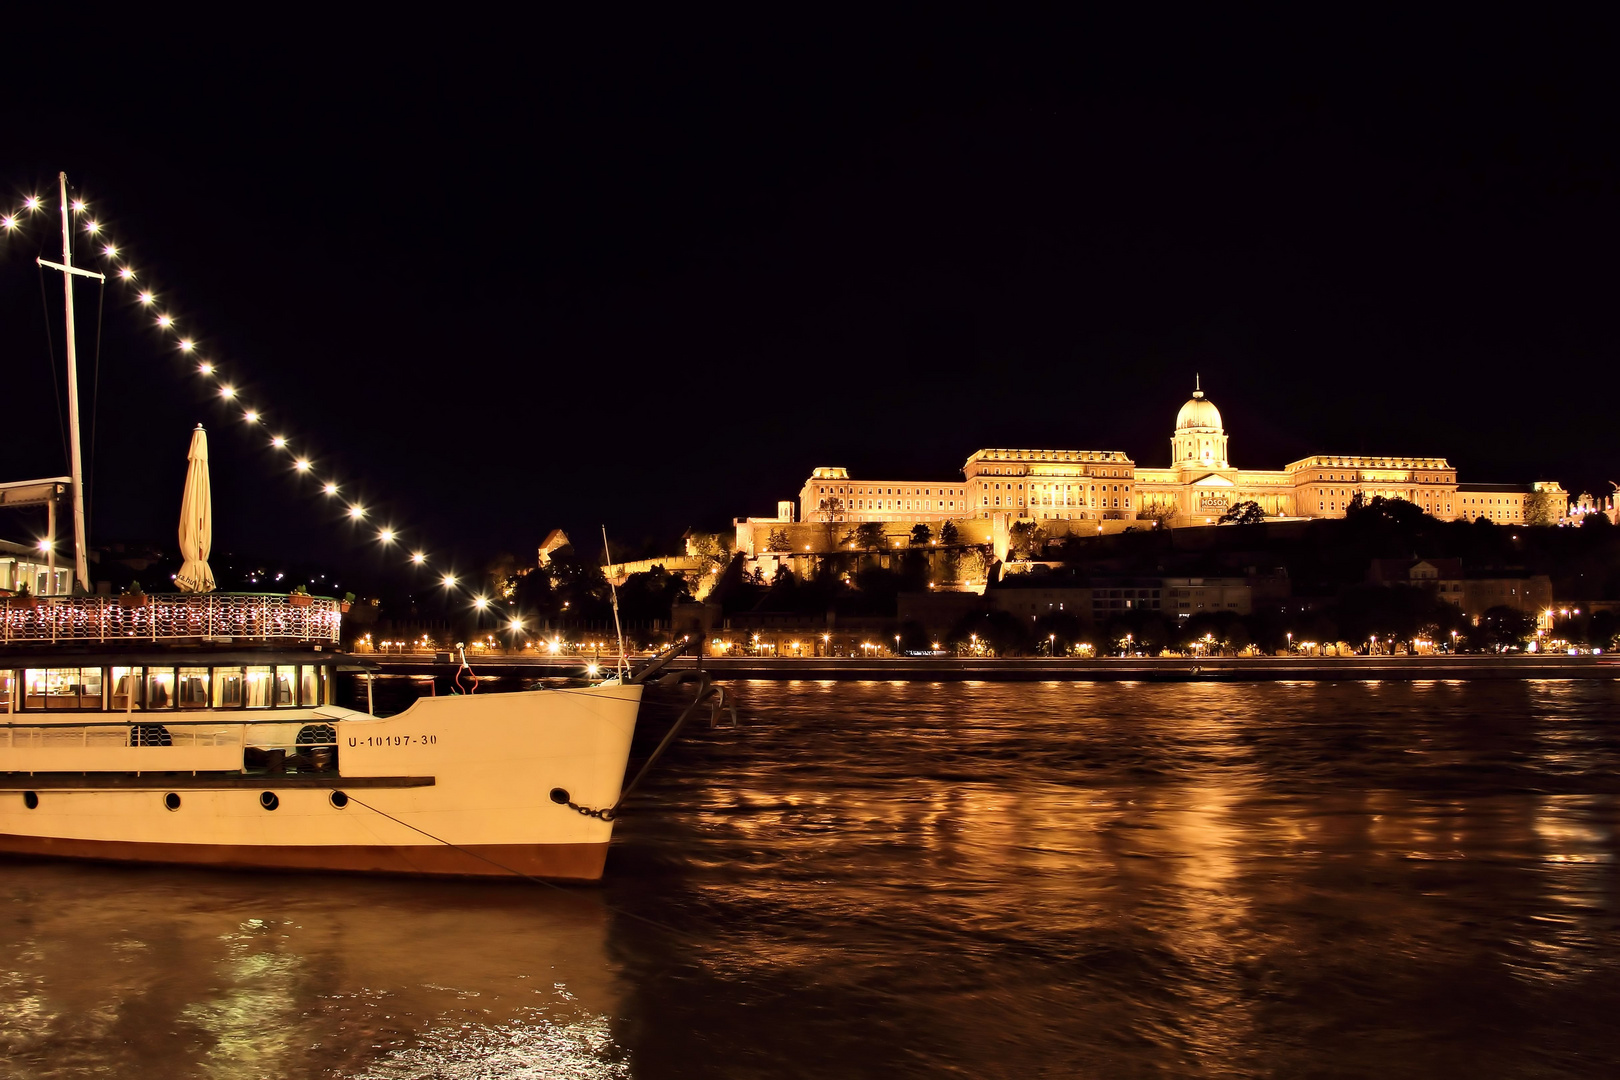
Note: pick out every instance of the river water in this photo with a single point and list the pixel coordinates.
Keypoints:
(946, 879)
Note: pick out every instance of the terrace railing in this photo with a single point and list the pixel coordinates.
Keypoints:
(238, 616)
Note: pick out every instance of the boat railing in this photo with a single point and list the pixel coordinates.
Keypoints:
(238, 616)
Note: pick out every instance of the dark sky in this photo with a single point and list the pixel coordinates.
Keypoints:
(649, 275)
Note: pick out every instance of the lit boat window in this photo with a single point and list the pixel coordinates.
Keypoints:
(191, 688)
(257, 687)
(160, 688)
(284, 685)
(63, 688)
(309, 686)
(123, 678)
(227, 688)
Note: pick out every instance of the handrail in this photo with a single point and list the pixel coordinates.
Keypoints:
(244, 616)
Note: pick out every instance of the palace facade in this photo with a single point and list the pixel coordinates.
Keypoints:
(1199, 486)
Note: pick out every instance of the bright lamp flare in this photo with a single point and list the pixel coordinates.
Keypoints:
(44, 545)
(78, 206)
(330, 489)
(279, 443)
(32, 202)
(165, 321)
(125, 273)
(251, 417)
(356, 512)
(146, 298)
(301, 465)
(110, 251)
(8, 222)
(480, 602)
(206, 368)
(227, 391)
(417, 558)
(515, 624)
(92, 226)
(186, 344)
(386, 536)
(449, 581)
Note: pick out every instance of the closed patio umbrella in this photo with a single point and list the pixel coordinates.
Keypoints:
(196, 520)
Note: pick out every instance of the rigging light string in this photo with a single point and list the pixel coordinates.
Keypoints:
(302, 465)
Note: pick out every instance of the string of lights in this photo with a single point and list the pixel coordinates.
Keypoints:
(121, 268)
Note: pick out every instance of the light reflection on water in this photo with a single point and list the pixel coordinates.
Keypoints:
(151, 972)
(927, 879)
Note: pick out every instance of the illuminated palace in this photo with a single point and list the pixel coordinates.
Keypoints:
(1199, 486)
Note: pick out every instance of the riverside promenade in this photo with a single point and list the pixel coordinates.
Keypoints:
(1109, 669)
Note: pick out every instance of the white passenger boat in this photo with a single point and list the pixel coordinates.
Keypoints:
(202, 729)
(189, 752)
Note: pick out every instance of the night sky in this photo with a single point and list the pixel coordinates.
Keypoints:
(649, 275)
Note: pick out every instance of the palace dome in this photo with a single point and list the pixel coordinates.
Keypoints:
(1199, 412)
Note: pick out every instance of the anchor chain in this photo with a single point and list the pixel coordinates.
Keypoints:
(561, 796)
(601, 815)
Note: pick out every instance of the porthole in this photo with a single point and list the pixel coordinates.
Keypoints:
(172, 801)
(339, 799)
(559, 796)
(268, 800)
(31, 800)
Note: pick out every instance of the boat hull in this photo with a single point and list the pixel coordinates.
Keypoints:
(551, 862)
(464, 786)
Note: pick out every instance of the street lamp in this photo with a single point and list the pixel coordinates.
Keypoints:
(1290, 641)
(897, 644)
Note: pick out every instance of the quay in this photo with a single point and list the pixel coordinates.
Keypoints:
(1111, 669)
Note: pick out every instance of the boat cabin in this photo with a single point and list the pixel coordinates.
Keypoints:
(104, 684)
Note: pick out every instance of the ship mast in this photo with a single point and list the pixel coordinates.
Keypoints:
(81, 562)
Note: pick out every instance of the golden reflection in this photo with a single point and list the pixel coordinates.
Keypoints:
(158, 973)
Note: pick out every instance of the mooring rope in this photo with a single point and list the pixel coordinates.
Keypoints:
(519, 873)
